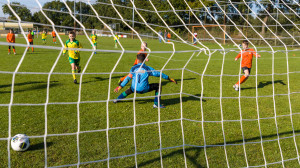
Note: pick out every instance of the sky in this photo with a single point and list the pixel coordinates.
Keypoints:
(28, 3)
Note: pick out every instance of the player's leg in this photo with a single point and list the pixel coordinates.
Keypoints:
(73, 66)
(9, 49)
(78, 67)
(95, 44)
(116, 44)
(124, 95)
(55, 39)
(243, 78)
(14, 50)
(155, 86)
(31, 43)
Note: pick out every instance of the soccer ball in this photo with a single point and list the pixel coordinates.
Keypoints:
(20, 142)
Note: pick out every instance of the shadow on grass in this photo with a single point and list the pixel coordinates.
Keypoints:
(195, 158)
(97, 79)
(263, 84)
(167, 102)
(164, 82)
(172, 101)
(39, 146)
(38, 85)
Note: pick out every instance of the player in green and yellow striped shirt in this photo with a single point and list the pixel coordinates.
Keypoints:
(94, 39)
(44, 36)
(116, 38)
(74, 56)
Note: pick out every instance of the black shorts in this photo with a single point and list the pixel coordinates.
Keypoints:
(53, 36)
(245, 68)
(31, 43)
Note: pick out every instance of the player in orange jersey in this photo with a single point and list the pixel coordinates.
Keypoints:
(169, 36)
(247, 55)
(10, 38)
(142, 51)
(30, 39)
(54, 36)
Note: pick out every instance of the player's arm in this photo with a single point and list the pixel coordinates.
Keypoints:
(238, 56)
(65, 49)
(7, 38)
(255, 54)
(157, 74)
(124, 83)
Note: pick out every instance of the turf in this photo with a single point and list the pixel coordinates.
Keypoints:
(30, 94)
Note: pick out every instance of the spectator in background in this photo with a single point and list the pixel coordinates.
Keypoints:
(165, 35)
(159, 37)
(195, 38)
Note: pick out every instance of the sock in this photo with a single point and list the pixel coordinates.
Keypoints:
(32, 49)
(156, 98)
(242, 80)
(9, 50)
(122, 79)
(14, 50)
(122, 95)
(73, 73)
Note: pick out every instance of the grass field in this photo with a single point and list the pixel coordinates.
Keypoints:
(62, 115)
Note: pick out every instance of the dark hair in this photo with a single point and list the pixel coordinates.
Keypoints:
(29, 30)
(141, 57)
(71, 32)
(246, 42)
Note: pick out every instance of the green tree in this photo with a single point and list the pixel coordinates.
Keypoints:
(23, 12)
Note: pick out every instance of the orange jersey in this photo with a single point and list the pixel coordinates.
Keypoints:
(53, 34)
(140, 52)
(29, 36)
(10, 38)
(247, 57)
(169, 35)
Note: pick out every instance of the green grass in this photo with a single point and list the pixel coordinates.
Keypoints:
(62, 113)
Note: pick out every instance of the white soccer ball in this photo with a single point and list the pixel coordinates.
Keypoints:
(20, 142)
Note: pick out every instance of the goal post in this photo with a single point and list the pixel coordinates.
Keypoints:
(194, 30)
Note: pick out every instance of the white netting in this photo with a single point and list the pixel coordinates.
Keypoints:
(202, 92)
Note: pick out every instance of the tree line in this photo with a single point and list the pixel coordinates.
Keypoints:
(59, 14)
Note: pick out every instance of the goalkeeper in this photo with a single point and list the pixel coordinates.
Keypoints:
(74, 57)
(139, 74)
(247, 56)
(142, 51)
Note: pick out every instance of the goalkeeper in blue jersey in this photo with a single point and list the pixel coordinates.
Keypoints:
(140, 74)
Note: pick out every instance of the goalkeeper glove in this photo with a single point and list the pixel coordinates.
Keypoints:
(172, 80)
(117, 89)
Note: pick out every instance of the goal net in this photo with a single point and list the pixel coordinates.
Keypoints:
(235, 103)
(202, 34)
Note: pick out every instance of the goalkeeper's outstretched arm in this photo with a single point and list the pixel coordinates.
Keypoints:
(124, 83)
(157, 74)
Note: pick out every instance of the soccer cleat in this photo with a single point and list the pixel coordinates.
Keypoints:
(156, 106)
(75, 81)
(9, 53)
(15, 53)
(236, 87)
